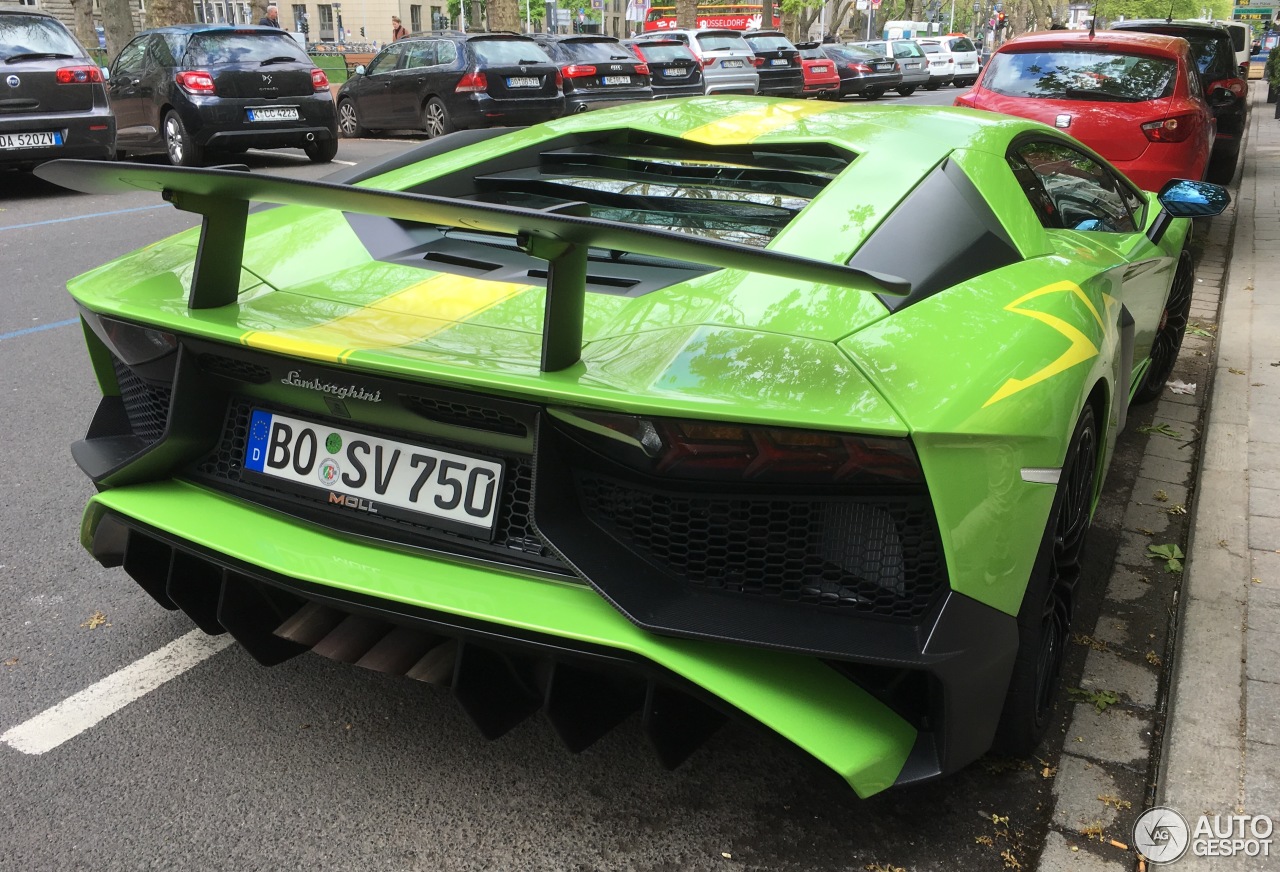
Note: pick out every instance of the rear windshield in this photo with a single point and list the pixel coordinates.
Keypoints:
(877, 47)
(671, 51)
(961, 43)
(498, 52)
(905, 48)
(931, 47)
(857, 52)
(722, 42)
(30, 34)
(1082, 75)
(594, 50)
(231, 47)
(813, 54)
(1211, 49)
(769, 43)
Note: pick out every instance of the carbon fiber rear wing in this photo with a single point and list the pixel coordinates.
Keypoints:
(561, 236)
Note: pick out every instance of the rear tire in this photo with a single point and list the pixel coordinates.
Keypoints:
(321, 150)
(908, 91)
(435, 119)
(873, 93)
(182, 149)
(1173, 326)
(932, 86)
(1044, 620)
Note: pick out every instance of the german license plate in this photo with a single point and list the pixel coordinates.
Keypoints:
(884, 66)
(375, 475)
(273, 113)
(522, 82)
(778, 62)
(731, 63)
(31, 140)
(675, 71)
(616, 80)
(819, 69)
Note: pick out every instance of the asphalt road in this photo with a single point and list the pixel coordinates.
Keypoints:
(317, 765)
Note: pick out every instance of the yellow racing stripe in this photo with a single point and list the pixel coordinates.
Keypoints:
(411, 315)
(751, 125)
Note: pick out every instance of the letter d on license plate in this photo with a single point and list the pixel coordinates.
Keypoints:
(376, 476)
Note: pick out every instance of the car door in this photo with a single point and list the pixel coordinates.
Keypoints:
(126, 89)
(1094, 213)
(406, 90)
(374, 98)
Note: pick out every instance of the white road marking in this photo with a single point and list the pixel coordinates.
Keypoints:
(84, 710)
(345, 163)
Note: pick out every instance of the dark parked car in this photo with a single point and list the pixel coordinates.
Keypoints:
(596, 71)
(862, 71)
(53, 103)
(1225, 86)
(191, 89)
(445, 80)
(910, 57)
(673, 69)
(778, 62)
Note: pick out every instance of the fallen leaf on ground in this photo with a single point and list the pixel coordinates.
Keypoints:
(96, 620)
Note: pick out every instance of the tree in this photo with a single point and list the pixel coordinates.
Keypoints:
(162, 13)
(505, 15)
(686, 13)
(117, 22)
(82, 10)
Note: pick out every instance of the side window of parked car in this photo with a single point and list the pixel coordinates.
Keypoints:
(159, 55)
(446, 53)
(387, 61)
(421, 54)
(132, 59)
(1084, 194)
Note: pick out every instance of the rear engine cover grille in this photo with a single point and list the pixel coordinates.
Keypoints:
(146, 405)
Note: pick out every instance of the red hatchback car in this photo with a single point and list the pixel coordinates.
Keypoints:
(821, 79)
(1135, 98)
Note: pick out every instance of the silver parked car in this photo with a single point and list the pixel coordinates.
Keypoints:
(910, 57)
(728, 63)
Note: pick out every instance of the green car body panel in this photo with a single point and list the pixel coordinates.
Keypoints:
(985, 378)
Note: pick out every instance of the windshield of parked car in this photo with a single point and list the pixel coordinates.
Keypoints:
(853, 52)
(881, 48)
(593, 50)
(658, 52)
(502, 52)
(961, 43)
(28, 35)
(813, 54)
(722, 42)
(243, 47)
(1081, 75)
(905, 48)
(769, 43)
(931, 47)
(1211, 49)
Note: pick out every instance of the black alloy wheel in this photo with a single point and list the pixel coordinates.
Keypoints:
(435, 119)
(873, 93)
(1044, 620)
(1169, 334)
(321, 150)
(349, 121)
(933, 86)
(182, 148)
(908, 91)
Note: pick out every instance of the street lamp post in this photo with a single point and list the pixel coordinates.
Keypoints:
(977, 8)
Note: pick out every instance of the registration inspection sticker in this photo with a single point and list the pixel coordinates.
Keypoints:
(273, 113)
(10, 141)
(377, 476)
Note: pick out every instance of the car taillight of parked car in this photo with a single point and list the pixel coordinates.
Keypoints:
(861, 68)
(195, 82)
(78, 75)
(471, 82)
(578, 71)
(635, 49)
(1236, 86)
(1174, 129)
(759, 62)
(642, 69)
(319, 80)
(706, 62)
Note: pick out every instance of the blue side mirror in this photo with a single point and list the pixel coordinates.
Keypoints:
(1183, 198)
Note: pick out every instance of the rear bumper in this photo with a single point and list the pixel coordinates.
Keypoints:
(694, 89)
(79, 138)
(866, 83)
(787, 85)
(577, 101)
(481, 110)
(224, 123)
(734, 83)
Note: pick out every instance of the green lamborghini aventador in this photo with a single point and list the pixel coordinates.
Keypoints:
(786, 410)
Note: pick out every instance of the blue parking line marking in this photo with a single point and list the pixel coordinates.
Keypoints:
(16, 333)
(82, 217)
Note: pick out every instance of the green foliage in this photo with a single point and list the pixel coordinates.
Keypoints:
(1101, 699)
(1112, 10)
(1171, 555)
(1272, 69)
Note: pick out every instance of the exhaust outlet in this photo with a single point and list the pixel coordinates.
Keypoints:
(311, 137)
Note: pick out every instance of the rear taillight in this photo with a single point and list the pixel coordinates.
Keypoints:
(706, 62)
(759, 62)
(710, 450)
(319, 80)
(636, 50)
(1239, 87)
(642, 69)
(1174, 129)
(195, 82)
(559, 80)
(78, 75)
(861, 68)
(471, 82)
(578, 71)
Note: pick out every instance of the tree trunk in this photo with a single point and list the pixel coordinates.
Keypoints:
(766, 13)
(117, 21)
(686, 14)
(505, 15)
(82, 10)
(260, 12)
(162, 13)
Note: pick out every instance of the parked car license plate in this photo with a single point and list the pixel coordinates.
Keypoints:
(819, 69)
(731, 63)
(31, 140)
(616, 80)
(522, 82)
(883, 67)
(273, 113)
(675, 71)
(376, 475)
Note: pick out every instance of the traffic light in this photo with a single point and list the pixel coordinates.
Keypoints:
(1000, 20)
(362, 31)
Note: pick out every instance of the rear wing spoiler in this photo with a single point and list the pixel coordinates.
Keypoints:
(561, 236)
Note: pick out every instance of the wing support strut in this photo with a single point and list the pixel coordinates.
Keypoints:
(216, 279)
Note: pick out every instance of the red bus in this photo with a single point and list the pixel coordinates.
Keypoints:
(731, 16)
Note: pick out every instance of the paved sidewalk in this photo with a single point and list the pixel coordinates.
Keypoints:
(1222, 744)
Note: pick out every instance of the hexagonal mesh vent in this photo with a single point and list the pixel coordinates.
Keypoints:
(146, 405)
(873, 555)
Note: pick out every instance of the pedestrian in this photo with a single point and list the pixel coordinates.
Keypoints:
(397, 29)
(272, 18)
